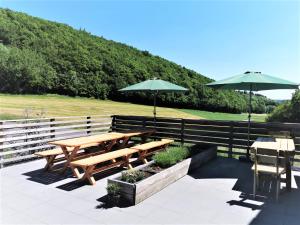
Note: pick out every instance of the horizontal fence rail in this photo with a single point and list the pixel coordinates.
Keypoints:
(20, 139)
(232, 135)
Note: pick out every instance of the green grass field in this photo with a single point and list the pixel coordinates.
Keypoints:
(224, 116)
(31, 106)
(22, 106)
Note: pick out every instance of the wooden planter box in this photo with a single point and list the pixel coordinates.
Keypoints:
(138, 192)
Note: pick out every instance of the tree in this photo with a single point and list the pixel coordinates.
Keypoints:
(23, 71)
(288, 111)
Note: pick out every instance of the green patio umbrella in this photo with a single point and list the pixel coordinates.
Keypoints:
(154, 86)
(253, 81)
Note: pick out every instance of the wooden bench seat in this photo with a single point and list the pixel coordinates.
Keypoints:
(153, 144)
(116, 158)
(52, 154)
(92, 165)
(103, 157)
(151, 148)
(55, 151)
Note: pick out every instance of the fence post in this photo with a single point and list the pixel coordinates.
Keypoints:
(182, 131)
(52, 131)
(292, 133)
(1, 143)
(88, 121)
(144, 122)
(113, 123)
(230, 140)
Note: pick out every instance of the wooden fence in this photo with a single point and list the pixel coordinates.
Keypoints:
(232, 135)
(20, 139)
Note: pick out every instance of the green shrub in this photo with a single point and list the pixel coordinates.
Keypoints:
(113, 189)
(132, 176)
(288, 111)
(170, 157)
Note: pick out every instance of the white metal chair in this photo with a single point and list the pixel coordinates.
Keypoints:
(270, 162)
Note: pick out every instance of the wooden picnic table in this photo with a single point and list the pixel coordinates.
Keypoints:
(70, 147)
(284, 145)
(119, 157)
(106, 142)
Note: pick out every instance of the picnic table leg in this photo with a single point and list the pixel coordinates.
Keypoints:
(142, 156)
(165, 147)
(75, 171)
(50, 162)
(69, 156)
(124, 143)
(110, 145)
(88, 174)
(101, 146)
(145, 137)
(130, 166)
(126, 161)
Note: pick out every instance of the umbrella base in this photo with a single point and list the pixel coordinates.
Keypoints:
(245, 159)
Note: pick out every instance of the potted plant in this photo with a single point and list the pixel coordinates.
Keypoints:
(167, 167)
(132, 176)
(113, 194)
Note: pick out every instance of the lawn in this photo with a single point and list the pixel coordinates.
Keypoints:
(29, 106)
(224, 116)
(23, 106)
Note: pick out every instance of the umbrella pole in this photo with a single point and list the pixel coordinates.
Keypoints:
(249, 122)
(154, 110)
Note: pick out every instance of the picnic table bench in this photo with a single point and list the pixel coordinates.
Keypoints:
(52, 155)
(92, 165)
(70, 149)
(151, 147)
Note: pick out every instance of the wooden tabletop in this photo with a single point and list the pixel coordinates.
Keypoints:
(99, 138)
(279, 144)
(131, 133)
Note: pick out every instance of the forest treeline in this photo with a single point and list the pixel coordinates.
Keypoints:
(40, 56)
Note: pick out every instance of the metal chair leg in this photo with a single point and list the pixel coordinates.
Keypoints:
(254, 185)
(277, 187)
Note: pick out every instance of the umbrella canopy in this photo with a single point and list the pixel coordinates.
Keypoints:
(253, 81)
(154, 86)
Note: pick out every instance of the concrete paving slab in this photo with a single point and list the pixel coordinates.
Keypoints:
(217, 193)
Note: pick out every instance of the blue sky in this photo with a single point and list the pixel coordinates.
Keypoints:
(215, 38)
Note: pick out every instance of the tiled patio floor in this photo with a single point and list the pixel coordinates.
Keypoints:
(218, 193)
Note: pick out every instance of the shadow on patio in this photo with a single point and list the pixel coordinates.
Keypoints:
(285, 211)
(50, 177)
